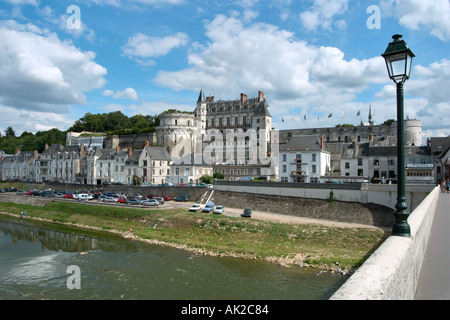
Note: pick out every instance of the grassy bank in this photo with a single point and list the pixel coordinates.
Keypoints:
(313, 245)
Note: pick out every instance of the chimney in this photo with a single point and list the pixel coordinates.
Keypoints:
(321, 143)
(117, 149)
(130, 151)
(17, 150)
(81, 150)
(260, 96)
(46, 147)
(370, 137)
(243, 97)
(147, 143)
(36, 155)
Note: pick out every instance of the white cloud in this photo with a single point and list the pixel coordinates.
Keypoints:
(263, 57)
(24, 2)
(33, 121)
(322, 14)
(433, 15)
(144, 48)
(128, 93)
(128, 3)
(40, 72)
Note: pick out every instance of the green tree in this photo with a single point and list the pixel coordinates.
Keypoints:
(9, 132)
(218, 175)
(206, 179)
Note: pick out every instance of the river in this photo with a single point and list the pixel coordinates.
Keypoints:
(53, 262)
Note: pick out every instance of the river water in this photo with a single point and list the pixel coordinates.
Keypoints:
(42, 262)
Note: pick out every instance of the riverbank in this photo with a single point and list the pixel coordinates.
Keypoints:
(331, 248)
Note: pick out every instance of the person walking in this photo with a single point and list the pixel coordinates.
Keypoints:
(442, 186)
(448, 185)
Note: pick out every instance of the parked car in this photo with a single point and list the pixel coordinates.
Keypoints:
(150, 202)
(167, 198)
(133, 201)
(218, 210)
(85, 196)
(184, 198)
(68, 196)
(122, 200)
(209, 207)
(47, 194)
(160, 200)
(247, 213)
(195, 207)
(21, 192)
(109, 199)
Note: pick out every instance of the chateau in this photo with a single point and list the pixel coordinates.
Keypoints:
(234, 138)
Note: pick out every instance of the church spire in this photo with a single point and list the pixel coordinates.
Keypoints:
(370, 115)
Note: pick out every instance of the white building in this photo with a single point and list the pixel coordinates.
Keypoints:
(189, 169)
(303, 159)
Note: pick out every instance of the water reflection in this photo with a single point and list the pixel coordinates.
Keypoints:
(34, 262)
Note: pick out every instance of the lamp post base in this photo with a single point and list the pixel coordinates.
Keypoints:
(401, 226)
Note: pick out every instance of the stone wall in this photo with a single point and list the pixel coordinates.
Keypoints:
(350, 212)
(392, 271)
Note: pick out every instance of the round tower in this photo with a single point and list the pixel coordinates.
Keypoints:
(413, 132)
(177, 133)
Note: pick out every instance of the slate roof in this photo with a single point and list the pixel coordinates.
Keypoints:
(302, 143)
(196, 160)
(156, 153)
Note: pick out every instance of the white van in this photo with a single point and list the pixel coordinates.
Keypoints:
(85, 197)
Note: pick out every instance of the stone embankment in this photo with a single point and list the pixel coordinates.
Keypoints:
(347, 212)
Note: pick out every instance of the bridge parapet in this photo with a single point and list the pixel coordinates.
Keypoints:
(392, 271)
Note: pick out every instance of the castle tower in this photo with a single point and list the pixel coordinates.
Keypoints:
(413, 132)
(200, 113)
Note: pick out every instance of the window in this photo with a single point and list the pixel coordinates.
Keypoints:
(314, 168)
(360, 161)
(284, 157)
(360, 172)
(284, 168)
(313, 157)
(347, 165)
(376, 162)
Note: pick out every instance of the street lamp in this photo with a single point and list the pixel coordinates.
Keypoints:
(398, 62)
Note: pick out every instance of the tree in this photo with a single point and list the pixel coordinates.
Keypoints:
(9, 132)
(218, 175)
(206, 179)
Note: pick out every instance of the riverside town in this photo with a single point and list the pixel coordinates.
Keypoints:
(224, 158)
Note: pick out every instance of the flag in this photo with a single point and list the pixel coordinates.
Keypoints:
(282, 119)
(330, 115)
(359, 113)
(304, 117)
(317, 118)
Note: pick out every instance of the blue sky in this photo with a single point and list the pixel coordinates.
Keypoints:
(315, 58)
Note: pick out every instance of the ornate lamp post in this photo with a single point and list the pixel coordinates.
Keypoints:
(398, 62)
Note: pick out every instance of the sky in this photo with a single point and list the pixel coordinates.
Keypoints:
(318, 62)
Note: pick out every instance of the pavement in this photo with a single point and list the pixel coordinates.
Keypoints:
(434, 279)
